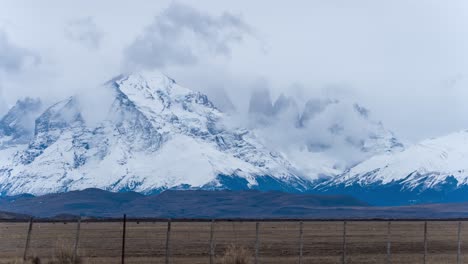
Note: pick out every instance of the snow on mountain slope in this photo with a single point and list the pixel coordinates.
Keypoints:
(324, 137)
(424, 165)
(153, 135)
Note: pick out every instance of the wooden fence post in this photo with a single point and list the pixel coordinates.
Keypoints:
(343, 257)
(301, 241)
(389, 243)
(459, 244)
(425, 242)
(77, 240)
(168, 239)
(257, 227)
(124, 231)
(28, 239)
(212, 249)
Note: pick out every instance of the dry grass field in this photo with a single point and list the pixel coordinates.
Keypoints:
(278, 242)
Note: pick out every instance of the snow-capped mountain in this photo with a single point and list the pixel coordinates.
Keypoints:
(322, 137)
(144, 132)
(432, 171)
(152, 135)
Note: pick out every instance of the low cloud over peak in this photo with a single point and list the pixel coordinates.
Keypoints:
(181, 35)
(14, 58)
(84, 31)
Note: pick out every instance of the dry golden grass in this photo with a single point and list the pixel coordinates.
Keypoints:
(64, 255)
(190, 242)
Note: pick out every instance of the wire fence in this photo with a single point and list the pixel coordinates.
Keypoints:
(208, 241)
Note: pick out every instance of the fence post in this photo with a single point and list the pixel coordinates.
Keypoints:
(301, 241)
(77, 240)
(168, 239)
(389, 243)
(257, 227)
(212, 243)
(459, 243)
(425, 242)
(28, 239)
(123, 237)
(343, 258)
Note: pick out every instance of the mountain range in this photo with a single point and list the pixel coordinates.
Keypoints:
(176, 204)
(217, 204)
(146, 133)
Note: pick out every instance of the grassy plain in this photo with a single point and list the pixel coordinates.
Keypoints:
(278, 242)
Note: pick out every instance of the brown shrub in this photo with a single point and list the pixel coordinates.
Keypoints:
(64, 255)
(236, 255)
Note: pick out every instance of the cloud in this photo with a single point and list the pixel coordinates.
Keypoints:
(391, 56)
(85, 32)
(95, 104)
(332, 133)
(181, 35)
(13, 58)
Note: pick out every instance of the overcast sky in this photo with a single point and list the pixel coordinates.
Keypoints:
(406, 60)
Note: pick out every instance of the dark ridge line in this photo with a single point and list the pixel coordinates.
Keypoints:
(202, 220)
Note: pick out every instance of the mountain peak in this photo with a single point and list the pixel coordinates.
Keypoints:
(147, 81)
(153, 135)
(149, 75)
(260, 102)
(285, 103)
